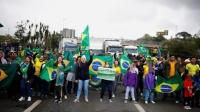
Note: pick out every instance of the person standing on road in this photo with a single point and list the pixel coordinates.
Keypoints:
(117, 76)
(149, 83)
(130, 82)
(188, 86)
(83, 78)
(106, 84)
(27, 71)
(193, 70)
(59, 80)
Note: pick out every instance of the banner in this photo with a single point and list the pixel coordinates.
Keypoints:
(99, 61)
(7, 74)
(142, 50)
(106, 73)
(169, 85)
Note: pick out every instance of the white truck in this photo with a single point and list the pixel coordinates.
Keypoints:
(68, 44)
(96, 45)
(131, 50)
(112, 46)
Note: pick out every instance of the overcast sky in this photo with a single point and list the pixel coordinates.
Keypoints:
(129, 19)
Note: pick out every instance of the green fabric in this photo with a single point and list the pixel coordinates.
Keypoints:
(168, 85)
(10, 70)
(48, 71)
(142, 50)
(124, 63)
(85, 39)
(106, 73)
(24, 69)
(99, 61)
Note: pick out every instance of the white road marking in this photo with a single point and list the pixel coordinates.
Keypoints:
(139, 107)
(34, 105)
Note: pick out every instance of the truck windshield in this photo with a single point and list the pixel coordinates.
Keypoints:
(115, 49)
(70, 46)
(129, 51)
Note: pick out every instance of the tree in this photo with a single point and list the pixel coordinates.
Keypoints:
(183, 35)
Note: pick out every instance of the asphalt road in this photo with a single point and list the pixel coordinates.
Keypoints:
(117, 105)
(94, 105)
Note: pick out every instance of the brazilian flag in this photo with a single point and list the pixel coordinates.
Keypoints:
(99, 61)
(7, 74)
(124, 63)
(48, 73)
(169, 85)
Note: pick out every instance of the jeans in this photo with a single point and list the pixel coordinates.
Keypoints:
(25, 87)
(81, 84)
(117, 80)
(148, 94)
(132, 90)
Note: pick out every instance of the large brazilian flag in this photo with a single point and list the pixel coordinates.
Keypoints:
(168, 85)
(7, 74)
(99, 61)
(85, 39)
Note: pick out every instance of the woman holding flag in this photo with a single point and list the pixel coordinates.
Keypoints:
(27, 71)
(83, 78)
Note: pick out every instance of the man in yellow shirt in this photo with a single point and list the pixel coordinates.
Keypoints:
(193, 68)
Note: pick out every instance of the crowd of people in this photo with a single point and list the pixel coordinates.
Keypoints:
(139, 80)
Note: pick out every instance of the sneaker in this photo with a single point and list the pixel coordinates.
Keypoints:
(189, 108)
(177, 102)
(65, 97)
(21, 99)
(125, 101)
(146, 102)
(101, 100)
(29, 99)
(86, 99)
(110, 101)
(153, 102)
(76, 100)
(59, 101)
(56, 100)
(185, 107)
(113, 95)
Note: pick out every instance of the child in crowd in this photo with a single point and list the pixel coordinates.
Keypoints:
(149, 83)
(106, 84)
(130, 82)
(59, 80)
(188, 92)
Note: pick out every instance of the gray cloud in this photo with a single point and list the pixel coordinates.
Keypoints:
(107, 18)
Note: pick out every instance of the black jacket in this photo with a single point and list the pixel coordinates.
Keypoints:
(30, 72)
(82, 70)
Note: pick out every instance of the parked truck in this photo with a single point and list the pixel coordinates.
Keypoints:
(68, 44)
(131, 50)
(112, 46)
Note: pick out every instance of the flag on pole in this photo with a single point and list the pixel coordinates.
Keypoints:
(124, 63)
(85, 39)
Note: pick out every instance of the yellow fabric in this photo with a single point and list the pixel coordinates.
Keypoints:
(172, 70)
(117, 70)
(3, 75)
(146, 70)
(37, 65)
(192, 69)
